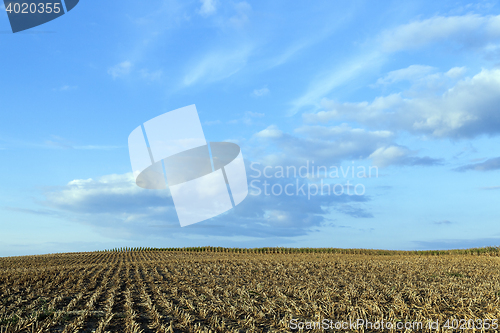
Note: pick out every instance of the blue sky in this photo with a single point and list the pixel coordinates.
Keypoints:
(411, 88)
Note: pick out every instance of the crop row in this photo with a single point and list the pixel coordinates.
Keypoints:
(491, 250)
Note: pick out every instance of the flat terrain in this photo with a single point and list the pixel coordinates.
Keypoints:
(166, 291)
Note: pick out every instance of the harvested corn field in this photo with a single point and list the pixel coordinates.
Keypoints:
(185, 291)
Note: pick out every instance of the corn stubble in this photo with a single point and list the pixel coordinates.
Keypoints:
(152, 291)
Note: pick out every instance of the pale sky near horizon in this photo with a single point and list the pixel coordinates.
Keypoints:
(412, 88)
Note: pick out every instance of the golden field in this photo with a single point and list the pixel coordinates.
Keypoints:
(268, 290)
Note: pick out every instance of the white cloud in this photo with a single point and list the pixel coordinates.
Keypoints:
(260, 92)
(336, 143)
(492, 51)
(270, 132)
(120, 70)
(410, 73)
(113, 205)
(468, 109)
(361, 112)
(324, 145)
(421, 78)
(399, 155)
(208, 7)
(456, 72)
(385, 156)
(80, 193)
(471, 30)
(342, 133)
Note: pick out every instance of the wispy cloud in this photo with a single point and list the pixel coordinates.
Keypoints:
(62, 143)
(66, 88)
(248, 118)
(260, 92)
(354, 211)
(488, 165)
(241, 18)
(208, 7)
(470, 30)
(120, 70)
(490, 188)
(308, 38)
(325, 83)
(410, 73)
(218, 65)
(212, 122)
(44, 212)
(255, 114)
(125, 69)
(443, 222)
(151, 75)
(291, 51)
(95, 147)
